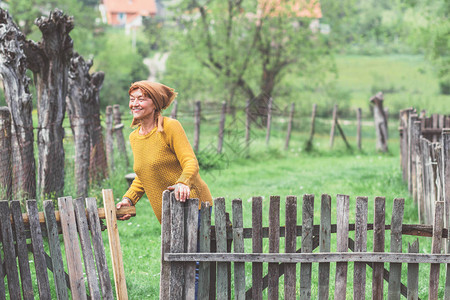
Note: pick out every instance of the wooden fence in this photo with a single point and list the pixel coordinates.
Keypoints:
(425, 160)
(180, 231)
(80, 229)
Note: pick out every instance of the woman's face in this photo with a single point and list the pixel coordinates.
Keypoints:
(141, 106)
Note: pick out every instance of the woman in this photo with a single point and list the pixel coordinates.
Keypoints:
(163, 157)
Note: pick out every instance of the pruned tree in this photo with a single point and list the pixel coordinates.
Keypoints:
(251, 44)
(82, 98)
(13, 66)
(49, 61)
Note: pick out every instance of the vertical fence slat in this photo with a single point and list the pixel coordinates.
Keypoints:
(358, 128)
(274, 246)
(307, 245)
(164, 282)
(22, 252)
(176, 246)
(436, 249)
(413, 273)
(99, 249)
(55, 250)
(221, 241)
(85, 241)
(238, 240)
(257, 247)
(419, 171)
(191, 228)
(378, 246)
(290, 247)
(173, 113)
(289, 127)
(309, 144)
(342, 210)
(359, 272)
(396, 247)
(325, 245)
(9, 253)
(73, 255)
(204, 246)
(333, 125)
(109, 137)
(415, 136)
(5, 154)
(222, 127)
(445, 142)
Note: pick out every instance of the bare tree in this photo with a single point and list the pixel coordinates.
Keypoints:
(49, 60)
(13, 66)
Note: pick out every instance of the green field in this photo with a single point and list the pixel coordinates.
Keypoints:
(270, 170)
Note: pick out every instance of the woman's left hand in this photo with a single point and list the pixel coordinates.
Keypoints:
(182, 191)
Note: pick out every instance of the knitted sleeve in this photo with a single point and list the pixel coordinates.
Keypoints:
(178, 142)
(135, 191)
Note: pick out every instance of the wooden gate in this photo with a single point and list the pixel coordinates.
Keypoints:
(179, 251)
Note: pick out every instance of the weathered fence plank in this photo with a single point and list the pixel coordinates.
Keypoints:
(307, 245)
(99, 250)
(86, 247)
(176, 288)
(9, 255)
(333, 125)
(358, 128)
(274, 246)
(204, 246)
(446, 173)
(378, 246)
(22, 253)
(309, 143)
(55, 250)
(118, 133)
(5, 155)
(290, 247)
(436, 248)
(396, 246)
(413, 273)
(257, 247)
(73, 255)
(191, 230)
(359, 272)
(325, 245)
(342, 245)
(221, 238)
(109, 137)
(165, 247)
(238, 239)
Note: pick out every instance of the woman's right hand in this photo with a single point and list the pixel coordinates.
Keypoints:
(123, 203)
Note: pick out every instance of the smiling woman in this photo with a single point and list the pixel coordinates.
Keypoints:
(163, 157)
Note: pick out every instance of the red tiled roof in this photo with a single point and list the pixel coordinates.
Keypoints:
(143, 7)
(298, 8)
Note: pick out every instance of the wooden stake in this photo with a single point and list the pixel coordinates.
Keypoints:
(289, 129)
(333, 125)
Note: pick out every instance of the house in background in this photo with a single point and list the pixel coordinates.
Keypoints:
(127, 13)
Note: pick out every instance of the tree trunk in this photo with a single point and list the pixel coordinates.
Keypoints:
(380, 119)
(13, 68)
(98, 167)
(79, 103)
(5, 154)
(49, 60)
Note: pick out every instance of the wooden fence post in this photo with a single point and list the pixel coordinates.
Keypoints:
(5, 155)
(324, 246)
(19, 100)
(289, 128)
(164, 282)
(436, 249)
(49, 60)
(309, 144)
(414, 140)
(380, 120)
(342, 210)
(174, 112)
(290, 247)
(413, 273)
(274, 246)
(197, 125)
(269, 120)
(307, 245)
(118, 132)
(221, 239)
(238, 241)
(359, 271)
(446, 173)
(378, 246)
(222, 127)
(358, 128)
(257, 247)
(396, 246)
(109, 137)
(333, 125)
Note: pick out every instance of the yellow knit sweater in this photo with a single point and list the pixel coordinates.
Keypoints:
(162, 159)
